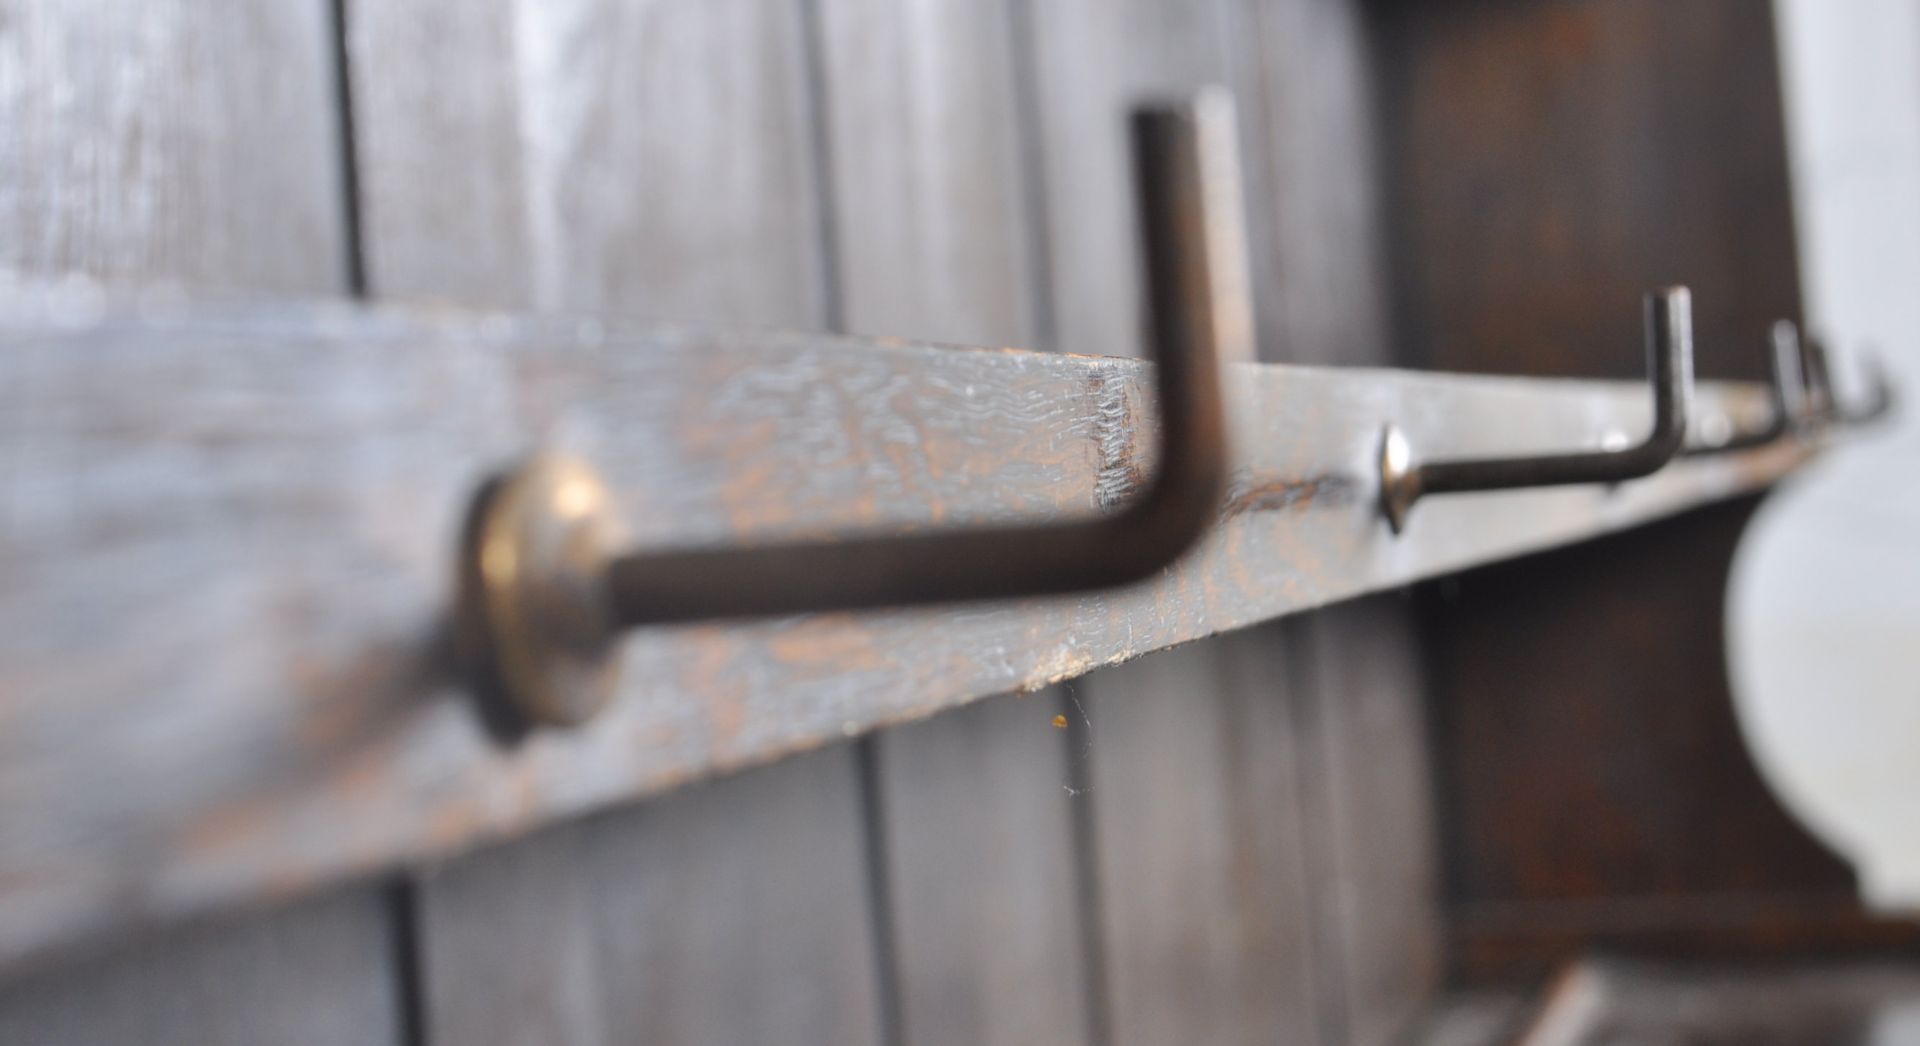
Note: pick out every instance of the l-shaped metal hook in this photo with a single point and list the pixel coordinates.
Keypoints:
(1669, 340)
(1825, 406)
(1787, 395)
(547, 591)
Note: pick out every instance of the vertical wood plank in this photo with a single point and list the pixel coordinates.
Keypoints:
(1196, 865)
(171, 140)
(931, 222)
(1371, 829)
(1633, 144)
(691, 919)
(184, 141)
(980, 861)
(1198, 841)
(652, 158)
(317, 973)
(1361, 689)
(928, 173)
(1093, 61)
(1327, 292)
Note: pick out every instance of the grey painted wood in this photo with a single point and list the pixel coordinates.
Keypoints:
(319, 972)
(246, 525)
(1193, 919)
(1320, 296)
(932, 229)
(1368, 810)
(1371, 828)
(1202, 876)
(1326, 296)
(931, 208)
(649, 158)
(1092, 61)
(170, 141)
(980, 862)
(185, 142)
(729, 912)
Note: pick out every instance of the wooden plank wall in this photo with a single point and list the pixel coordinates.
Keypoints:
(1232, 840)
(657, 159)
(934, 221)
(170, 142)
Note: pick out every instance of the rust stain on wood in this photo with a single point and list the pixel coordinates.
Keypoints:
(344, 743)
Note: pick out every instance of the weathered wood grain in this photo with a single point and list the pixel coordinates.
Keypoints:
(1202, 876)
(630, 927)
(1193, 900)
(1091, 62)
(1367, 823)
(170, 140)
(648, 158)
(1328, 296)
(979, 851)
(318, 972)
(930, 204)
(193, 143)
(229, 542)
(654, 158)
(1550, 160)
(931, 220)
(1371, 825)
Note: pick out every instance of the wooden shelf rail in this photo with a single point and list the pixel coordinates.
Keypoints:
(228, 560)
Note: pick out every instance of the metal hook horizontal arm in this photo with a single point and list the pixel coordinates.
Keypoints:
(1669, 339)
(547, 596)
(1786, 395)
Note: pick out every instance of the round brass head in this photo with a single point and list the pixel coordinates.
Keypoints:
(536, 611)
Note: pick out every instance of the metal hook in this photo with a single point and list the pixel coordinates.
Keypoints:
(1881, 404)
(1669, 339)
(1825, 408)
(547, 592)
(1787, 393)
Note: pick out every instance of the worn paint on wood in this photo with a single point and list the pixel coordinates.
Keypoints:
(981, 874)
(170, 141)
(723, 913)
(1550, 161)
(319, 972)
(1368, 822)
(257, 514)
(659, 159)
(1371, 828)
(188, 143)
(931, 211)
(648, 159)
(1202, 876)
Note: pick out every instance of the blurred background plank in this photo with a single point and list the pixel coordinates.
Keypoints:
(653, 159)
(172, 141)
(933, 215)
(184, 142)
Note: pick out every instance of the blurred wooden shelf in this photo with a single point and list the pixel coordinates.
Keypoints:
(230, 534)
